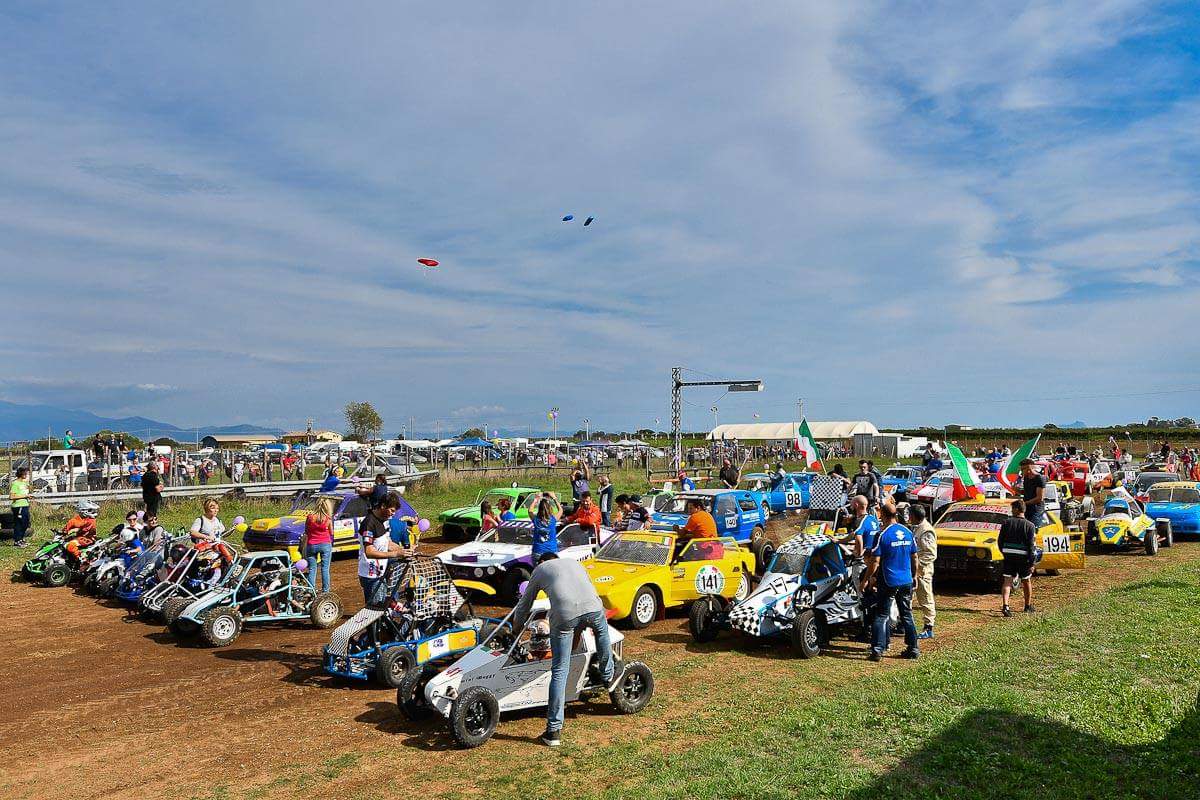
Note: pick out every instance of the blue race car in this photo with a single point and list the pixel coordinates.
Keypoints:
(777, 494)
(739, 514)
(901, 477)
(1177, 501)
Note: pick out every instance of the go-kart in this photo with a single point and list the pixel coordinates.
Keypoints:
(189, 571)
(806, 591)
(1123, 525)
(261, 587)
(510, 670)
(149, 568)
(103, 568)
(424, 618)
(53, 565)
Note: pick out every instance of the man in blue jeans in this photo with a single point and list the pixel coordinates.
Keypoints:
(574, 605)
(891, 564)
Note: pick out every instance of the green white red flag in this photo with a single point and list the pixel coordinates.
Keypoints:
(964, 471)
(1011, 467)
(807, 445)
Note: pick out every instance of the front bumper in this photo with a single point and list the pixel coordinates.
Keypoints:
(968, 563)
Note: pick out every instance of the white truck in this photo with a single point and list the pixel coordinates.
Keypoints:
(44, 466)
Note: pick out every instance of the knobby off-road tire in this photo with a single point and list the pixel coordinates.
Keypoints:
(474, 716)
(222, 626)
(635, 688)
(394, 666)
(325, 610)
(410, 695)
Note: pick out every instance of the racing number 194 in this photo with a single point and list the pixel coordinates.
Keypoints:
(1056, 543)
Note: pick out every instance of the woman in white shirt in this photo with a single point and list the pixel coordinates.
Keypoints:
(207, 528)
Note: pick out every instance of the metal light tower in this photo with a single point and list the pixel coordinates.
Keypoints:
(587, 429)
(677, 384)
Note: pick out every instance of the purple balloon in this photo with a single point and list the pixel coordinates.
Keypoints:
(141, 515)
(301, 565)
(422, 525)
(239, 520)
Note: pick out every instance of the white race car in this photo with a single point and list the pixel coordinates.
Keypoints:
(503, 556)
(510, 670)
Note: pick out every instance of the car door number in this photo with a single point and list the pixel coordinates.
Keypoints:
(1056, 543)
(709, 580)
(793, 500)
(731, 521)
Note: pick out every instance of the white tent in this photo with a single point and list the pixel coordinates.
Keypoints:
(779, 431)
(631, 443)
(420, 444)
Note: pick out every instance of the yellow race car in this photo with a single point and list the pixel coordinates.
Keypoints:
(966, 541)
(1124, 524)
(640, 574)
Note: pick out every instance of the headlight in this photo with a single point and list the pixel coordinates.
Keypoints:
(491, 570)
(478, 572)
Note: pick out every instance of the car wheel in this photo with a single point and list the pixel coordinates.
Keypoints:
(108, 584)
(644, 609)
(394, 666)
(473, 716)
(325, 610)
(704, 618)
(1068, 515)
(635, 688)
(1162, 527)
(766, 509)
(222, 626)
(410, 695)
(763, 556)
(511, 590)
(806, 634)
(1150, 540)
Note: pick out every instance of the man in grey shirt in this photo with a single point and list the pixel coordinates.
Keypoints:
(574, 605)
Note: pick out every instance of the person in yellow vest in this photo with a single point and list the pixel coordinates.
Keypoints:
(18, 493)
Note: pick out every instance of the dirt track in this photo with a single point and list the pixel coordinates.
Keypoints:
(99, 704)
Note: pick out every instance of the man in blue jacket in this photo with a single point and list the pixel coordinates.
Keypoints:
(891, 564)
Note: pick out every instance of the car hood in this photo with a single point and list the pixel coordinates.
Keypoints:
(664, 518)
(471, 512)
(771, 588)
(1113, 527)
(479, 554)
(955, 537)
(607, 575)
(1171, 508)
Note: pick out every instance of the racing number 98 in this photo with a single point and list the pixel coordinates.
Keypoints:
(792, 500)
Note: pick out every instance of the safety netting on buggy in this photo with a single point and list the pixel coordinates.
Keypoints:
(428, 589)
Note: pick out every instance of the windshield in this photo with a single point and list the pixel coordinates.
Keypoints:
(494, 498)
(1179, 494)
(636, 551)
(1120, 507)
(1144, 482)
(897, 473)
(967, 519)
(677, 505)
(509, 534)
(788, 563)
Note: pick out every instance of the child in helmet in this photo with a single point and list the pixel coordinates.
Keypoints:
(81, 528)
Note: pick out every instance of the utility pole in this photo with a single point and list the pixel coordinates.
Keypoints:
(437, 427)
(714, 410)
(587, 429)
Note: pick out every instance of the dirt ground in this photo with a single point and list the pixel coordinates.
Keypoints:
(100, 704)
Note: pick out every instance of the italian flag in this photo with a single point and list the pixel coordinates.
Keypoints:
(1011, 468)
(964, 471)
(807, 446)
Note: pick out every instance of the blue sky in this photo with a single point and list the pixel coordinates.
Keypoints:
(906, 212)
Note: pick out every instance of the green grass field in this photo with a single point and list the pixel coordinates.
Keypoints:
(1095, 700)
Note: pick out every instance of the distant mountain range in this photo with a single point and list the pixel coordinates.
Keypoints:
(19, 422)
(1075, 424)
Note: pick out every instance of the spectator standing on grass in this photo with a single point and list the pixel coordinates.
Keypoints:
(606, 501)
(62, 478)
(376, 548)
(239, 468)
(95, 474)
(135, 476)
(1016, 541)
(151, 488)
(926, 539)
(207, 527)
(317, 544)
(579, 481)
(891, 564)
(18, 495)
